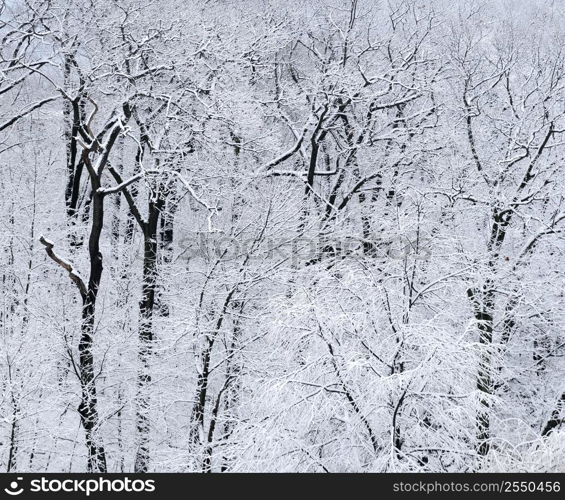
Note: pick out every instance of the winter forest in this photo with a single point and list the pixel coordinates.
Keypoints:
(282, 236)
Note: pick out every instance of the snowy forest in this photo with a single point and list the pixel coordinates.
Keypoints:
(282, 236)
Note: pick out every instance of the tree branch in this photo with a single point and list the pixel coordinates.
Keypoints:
(75, 277)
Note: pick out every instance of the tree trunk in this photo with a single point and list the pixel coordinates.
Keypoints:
(88, 408)
(555, 419)
(146, 307)
(483, 303)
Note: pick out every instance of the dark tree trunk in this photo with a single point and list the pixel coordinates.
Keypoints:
(199, 408)
(13, 448)
(146, 307)
(73, 113)
(484, 305)
(166, 248)
(196, 434)
(555, 420)
(484, 302)
(88, 408)
(150, 229)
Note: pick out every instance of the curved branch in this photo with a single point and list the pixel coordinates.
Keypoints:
(75, 277)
